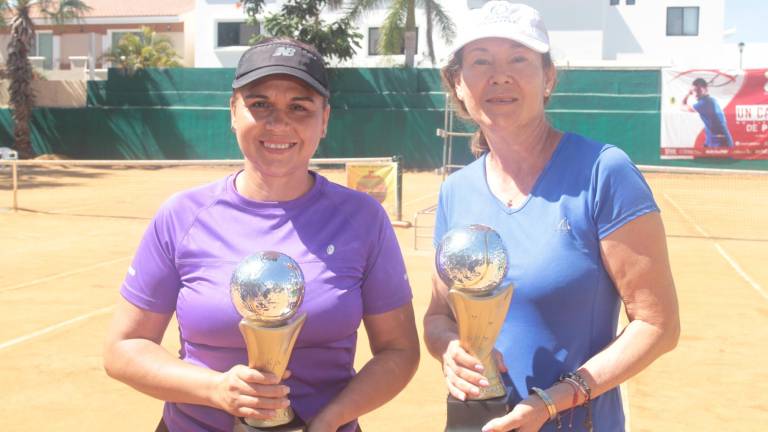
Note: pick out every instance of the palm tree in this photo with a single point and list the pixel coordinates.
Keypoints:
(135, 52)
(400, 24)
(22, 99)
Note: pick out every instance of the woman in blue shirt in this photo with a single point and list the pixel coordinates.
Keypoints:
(582, 231)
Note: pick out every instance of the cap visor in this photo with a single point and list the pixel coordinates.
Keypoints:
(280, 70)
(534, 44)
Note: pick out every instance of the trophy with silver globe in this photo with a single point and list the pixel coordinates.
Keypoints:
(267, 289)
(472, 261)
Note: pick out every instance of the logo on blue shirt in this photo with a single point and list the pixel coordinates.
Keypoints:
(563, 226)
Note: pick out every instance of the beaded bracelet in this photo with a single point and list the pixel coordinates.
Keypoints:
(576, 385)
(550, 404)
(580, 381)
(577, 379)
(576, 391)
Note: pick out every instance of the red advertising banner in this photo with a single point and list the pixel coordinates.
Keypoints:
(711, 113)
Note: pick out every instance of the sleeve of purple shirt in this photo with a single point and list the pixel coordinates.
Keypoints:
(385, 285)
(152, 282)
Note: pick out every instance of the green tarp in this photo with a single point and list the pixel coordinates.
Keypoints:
(184, 114)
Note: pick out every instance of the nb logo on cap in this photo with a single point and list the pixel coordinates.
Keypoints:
(284, 52)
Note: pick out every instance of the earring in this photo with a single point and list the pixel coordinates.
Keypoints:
(232, 128)
(546, 91)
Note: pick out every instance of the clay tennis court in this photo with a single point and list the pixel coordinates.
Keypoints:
(64, 255)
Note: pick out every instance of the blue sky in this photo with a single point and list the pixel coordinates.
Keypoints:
(749, 18)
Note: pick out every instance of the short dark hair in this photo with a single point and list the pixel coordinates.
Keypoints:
(700, 82)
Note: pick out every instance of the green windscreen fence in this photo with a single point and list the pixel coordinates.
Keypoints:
(184, 114)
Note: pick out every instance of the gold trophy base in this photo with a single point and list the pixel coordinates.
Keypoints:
(479, 320)
(269, 349)
(283, 417)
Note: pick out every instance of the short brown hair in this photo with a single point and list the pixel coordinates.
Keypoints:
(450, 72)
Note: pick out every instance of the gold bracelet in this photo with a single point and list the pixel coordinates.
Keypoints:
(550, 404)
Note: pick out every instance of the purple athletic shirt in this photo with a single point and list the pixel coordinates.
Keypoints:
(344, 243)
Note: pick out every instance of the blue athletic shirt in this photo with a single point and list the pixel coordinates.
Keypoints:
(564, 307)
(715, 126)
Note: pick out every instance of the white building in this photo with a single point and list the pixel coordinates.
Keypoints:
(686, 33)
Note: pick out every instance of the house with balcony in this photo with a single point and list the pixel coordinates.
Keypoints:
(67, 51)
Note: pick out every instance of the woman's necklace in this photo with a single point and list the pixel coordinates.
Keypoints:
(511, 201)
(510, 196)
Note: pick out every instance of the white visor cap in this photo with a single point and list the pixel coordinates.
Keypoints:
(501, 19)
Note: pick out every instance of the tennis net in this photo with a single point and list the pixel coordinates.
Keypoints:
(134, 189)
(711, 203)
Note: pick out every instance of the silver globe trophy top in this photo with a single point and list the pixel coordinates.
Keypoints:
(267, 287)
(472, 259)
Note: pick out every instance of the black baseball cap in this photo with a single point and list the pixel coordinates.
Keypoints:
(282, 57)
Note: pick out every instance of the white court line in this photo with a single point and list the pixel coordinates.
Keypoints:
(741, 272)
(756, 286)
(59, 275)
(54, 327)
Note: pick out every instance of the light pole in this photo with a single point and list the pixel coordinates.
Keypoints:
(741, 54)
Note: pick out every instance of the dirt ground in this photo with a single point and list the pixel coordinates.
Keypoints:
(64, 255)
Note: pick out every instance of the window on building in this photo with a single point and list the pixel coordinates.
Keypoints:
(682, 21)
(43, 47)
(614, 2)
(374, 34)
(630, 2)
(235, 33)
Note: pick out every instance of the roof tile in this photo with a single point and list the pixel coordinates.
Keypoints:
(135, 8)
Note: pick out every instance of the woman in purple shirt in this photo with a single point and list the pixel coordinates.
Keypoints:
(342, 239)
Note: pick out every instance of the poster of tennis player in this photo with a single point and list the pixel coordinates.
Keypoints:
(711, 113)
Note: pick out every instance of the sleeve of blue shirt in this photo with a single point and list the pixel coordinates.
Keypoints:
(441, 221)
(619, 192)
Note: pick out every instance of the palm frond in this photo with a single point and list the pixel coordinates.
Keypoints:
(61, 11)
(441, 18)
(430, 15)
(335, 4)
(355, 8)
(252, 7)
(5, 8)
(149, 49)
(391, 34)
